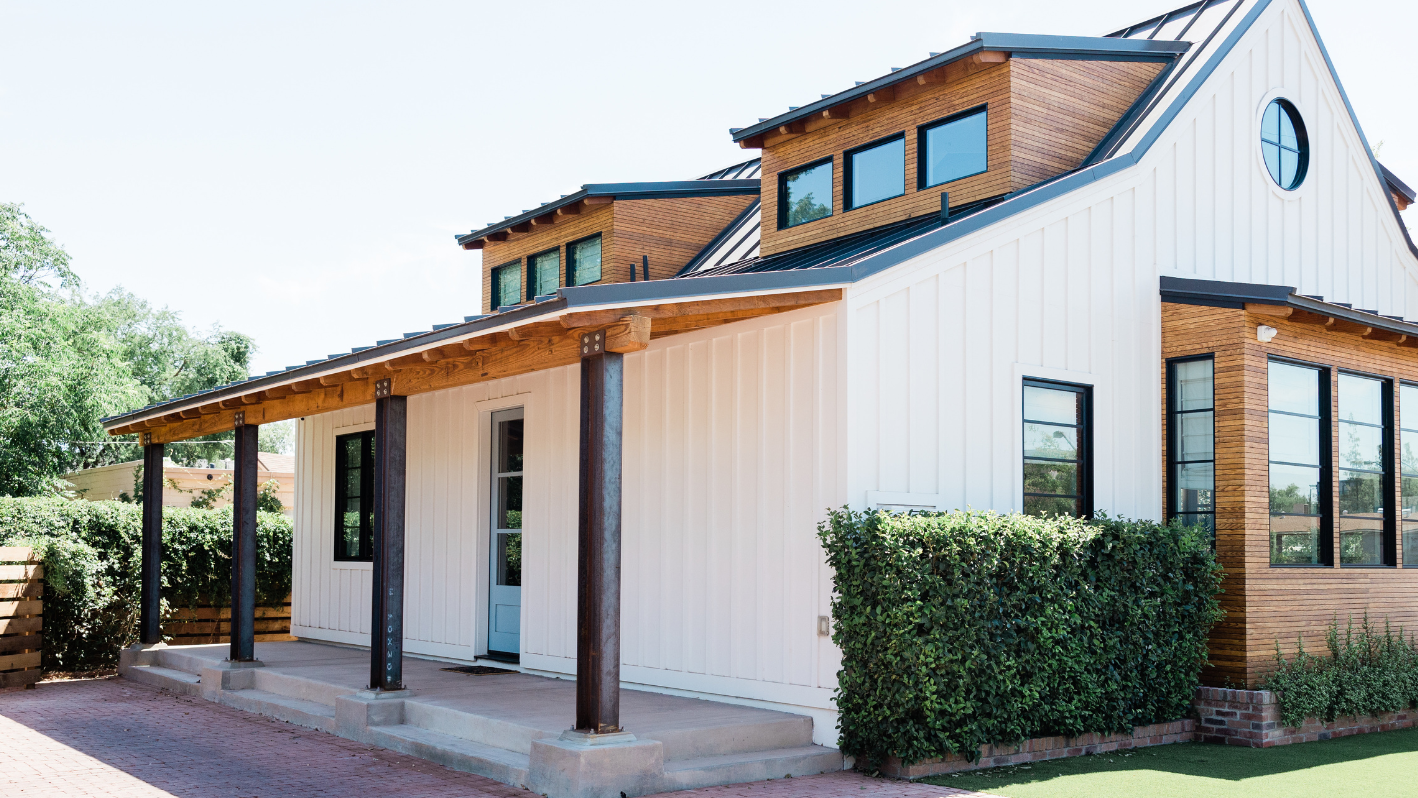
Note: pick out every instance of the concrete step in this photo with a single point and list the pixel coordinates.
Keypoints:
(180, 660)
(179, 682)
(498, 764)
(778, 731)
(291, 710)
(480, 729)
(299, 687)
(710, 771)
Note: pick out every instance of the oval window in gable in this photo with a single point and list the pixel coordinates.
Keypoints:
(1284, 144)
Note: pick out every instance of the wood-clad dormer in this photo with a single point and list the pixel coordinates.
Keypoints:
(605, 233)
(998, 115)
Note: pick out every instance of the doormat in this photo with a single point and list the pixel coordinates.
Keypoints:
(477, 670)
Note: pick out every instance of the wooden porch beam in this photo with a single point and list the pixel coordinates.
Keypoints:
(1276, 311)
(596, 318)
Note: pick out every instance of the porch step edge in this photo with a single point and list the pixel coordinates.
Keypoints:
(456, 753)
(300, 712)
(782, 732)
(175, 681)
(712, 771)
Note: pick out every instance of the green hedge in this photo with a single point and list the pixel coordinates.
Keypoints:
(967, 628)
(91, 555)
(1366, 673)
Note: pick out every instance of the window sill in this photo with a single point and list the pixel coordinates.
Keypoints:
(875, 202)
(1299, 565)
(1342, 565)
(353, 565)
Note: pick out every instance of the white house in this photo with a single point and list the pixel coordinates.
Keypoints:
(1031, 273)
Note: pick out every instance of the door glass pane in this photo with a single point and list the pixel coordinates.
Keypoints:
(509, 502)
(509, 559)
(510, 446)
(878, 173)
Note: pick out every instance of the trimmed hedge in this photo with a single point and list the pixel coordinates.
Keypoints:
(92, 555)
(1366, 673)
(969, 628)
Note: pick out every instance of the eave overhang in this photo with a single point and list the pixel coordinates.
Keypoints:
(610, 192)
(1282, 301)
(1017, 45)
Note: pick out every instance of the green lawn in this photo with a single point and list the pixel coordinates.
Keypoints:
(1367, 765)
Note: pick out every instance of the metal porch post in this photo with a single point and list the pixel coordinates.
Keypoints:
(243, 545)
(386, 662)
(598, 579)
(150, 603)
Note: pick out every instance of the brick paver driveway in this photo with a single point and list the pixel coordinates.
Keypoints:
(111, 737)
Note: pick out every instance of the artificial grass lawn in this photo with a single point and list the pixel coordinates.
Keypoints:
(1373, 765)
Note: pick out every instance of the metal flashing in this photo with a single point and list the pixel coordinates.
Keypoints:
(1398, 185)
(1219, 293)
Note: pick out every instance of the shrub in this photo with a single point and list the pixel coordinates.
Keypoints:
(1366, 673)
(967, 628)
(92, 556)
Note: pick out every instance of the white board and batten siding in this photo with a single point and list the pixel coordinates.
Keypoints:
(731, 457)
(1069, 290)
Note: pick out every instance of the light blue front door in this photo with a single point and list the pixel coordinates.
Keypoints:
(505, 600)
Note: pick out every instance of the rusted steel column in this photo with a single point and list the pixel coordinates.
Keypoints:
(150, 602)
(598, 578)
(386, 662)
(243, 544)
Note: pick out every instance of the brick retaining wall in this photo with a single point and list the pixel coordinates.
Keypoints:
(1042, 748)
(1252, 718)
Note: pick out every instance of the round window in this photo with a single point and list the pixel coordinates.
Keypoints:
(1284, 144)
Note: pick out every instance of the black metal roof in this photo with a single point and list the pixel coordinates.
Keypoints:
(1398, 185)
(1020, 45)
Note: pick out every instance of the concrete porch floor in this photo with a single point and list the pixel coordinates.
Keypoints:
(503, 726)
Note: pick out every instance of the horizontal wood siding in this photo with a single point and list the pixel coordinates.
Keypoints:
(669, 231)
(1061, 110)
(21, 617)
(989, 86)
(592, 219)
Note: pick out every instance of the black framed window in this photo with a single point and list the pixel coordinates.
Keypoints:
(1191, 445)
(805, 194)
(583, 261)
(543, 273)
(1299, 456)
(875, 172)
(507, 285)
(1284, 144)
(1408, 426)
(1365, 470)
(952, 148)
(1058, 468)
(354, 496)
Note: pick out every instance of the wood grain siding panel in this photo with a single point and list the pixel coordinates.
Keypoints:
(1061, 110)
(592, 219)
(989, 85)
(1191, 330)
(1280, 605)
(669, 231)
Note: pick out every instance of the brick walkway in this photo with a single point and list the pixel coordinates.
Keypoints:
(115, 738)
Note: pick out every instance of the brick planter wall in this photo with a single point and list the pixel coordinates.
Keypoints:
(1042, 748)
(1252, 718)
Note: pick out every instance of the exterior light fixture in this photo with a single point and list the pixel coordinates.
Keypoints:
(1265, 333)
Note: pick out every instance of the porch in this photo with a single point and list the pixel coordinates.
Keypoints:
(505, 726)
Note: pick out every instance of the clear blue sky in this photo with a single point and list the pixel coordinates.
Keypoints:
(297, 170)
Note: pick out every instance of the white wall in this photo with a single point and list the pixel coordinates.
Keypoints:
(730, 459)
(1069, 290)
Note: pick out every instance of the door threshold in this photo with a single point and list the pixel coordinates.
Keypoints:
(503, 656)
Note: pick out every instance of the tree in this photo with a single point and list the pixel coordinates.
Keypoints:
(66, 361)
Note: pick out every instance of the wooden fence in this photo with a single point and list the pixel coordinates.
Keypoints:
(205, 625)
(21, 616)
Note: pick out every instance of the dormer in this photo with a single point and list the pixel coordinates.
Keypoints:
(1000, 114)
(608, 233)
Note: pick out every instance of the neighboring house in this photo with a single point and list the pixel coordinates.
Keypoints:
(1169, 279)
(185, 483)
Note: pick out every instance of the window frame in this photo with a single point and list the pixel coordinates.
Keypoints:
(1388, 551)
(531, 290)
(1085, 439)
(1174, 442)
(571, 265)
(366, 489)
(1302, 143)
(1328, 530)
(493, 286)
(848, 170)
(1399, 429)
(923, 162)
(783, 175)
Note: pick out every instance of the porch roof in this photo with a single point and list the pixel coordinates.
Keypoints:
(1281, 301)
